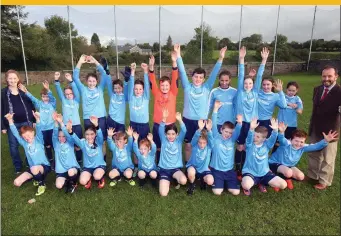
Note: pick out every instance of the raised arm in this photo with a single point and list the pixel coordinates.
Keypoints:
(131, 82)
(111, 144)
(155, 88)
(258, 83)
(109, 86)
(216, 68)
(270, 142)
(195, 138)
(52, 99)
(14, 130)
(136, 149)
(34, 100)
(241, 69)
(299, 103)
(183, 129)
(57, 86)
(146, 90)
(210, 139)
(183, 76)
(175, 75)
(281, 102)
(217, 105)
(75, 90)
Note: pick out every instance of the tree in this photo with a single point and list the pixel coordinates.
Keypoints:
(224, 42)
(95, 41)
(156, 47)
(169, 44)
(282, 40)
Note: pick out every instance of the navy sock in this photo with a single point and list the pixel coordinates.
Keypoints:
(40, 178)
(142, 182)
(158, 157)
(49, 153)
(238, 160)
(79, 155)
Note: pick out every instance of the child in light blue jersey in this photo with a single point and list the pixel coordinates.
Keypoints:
(283, 162)
(197, 166)
(256, 167)
(92, 95)
(267, 100)
(222, 160)
(145, 153)
(118, 95)
(70, 107)
(138, 98)
(247, 104)
(227, 95)
(67, 167)
(46, 107)
(171, 153)
(91, 146)
(196, 95)
(34, 150)
(122, 164)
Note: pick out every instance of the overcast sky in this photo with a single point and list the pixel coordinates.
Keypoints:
(141, 23)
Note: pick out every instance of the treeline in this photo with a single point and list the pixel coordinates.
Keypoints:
(48, 47)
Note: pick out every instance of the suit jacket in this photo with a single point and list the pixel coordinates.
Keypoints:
(325, 115)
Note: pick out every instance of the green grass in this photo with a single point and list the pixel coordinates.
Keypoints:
(128, 210)
(230, 54)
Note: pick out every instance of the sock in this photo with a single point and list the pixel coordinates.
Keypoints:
(105, 157)
(202, 183)
(154, 182)
(116, 178)
(73, 179)
(238, 160)
(142, 182)
(158, 157)
(135, 166)
(49, 154)
(39, 177)
(79, 156)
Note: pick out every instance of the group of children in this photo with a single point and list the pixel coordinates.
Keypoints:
(242, 116)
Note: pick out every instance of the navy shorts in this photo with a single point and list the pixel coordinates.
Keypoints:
(199, 175)
(47, 169)
(91, 170)
(102, 123)
(122, 172)
(266, 124)
(141, 128)
(148, 172)
(243, 133)
(65, 174)
(117, 126)
(264, 180)
(226, 179)
(167, 174)
(47, 135)
(273, 167)
(192, 127)
(288, 132)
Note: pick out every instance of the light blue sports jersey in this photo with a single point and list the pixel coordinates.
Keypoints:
(223, 149)
(247, 104)
(64, 152)
(139, 106)
(147, 163)
(92, 154)
(228, 97)
(117, 102)
(256, 162)
(288, 115)
(287, 155)
(200, 158)
(45, 109)
(92, 99)
(35, 152)
(196, 98)
(267, 103)
(171, 152)
(70, 108)
(121, 157)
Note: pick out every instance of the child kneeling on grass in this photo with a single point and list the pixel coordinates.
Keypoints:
(122, 164)
(146, 156)
(67, 167)
(197, 166)
(171, 153)
(93, 159)
(283, 162)
(35, 153)
(256, 168)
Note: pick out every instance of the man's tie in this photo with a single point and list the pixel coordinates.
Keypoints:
(324, 95)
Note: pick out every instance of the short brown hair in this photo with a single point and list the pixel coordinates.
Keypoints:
(120, 135)
(327, 67)
(68, 87)
(164, 79)
(262, 130)
(12, 72)
(25, 129)
(225, 72)
(145, 142)
(44, 91)
(203, 134)
(228, 124)
(299, 133)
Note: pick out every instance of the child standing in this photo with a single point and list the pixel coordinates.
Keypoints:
(70, 107)
(197, 166)
(164, 98)
(92, 146)
(171, 153)
(256, 168)
(223, 154)
(34, 150)
(145, 153)
(46, 107)
(122, 164)
(67, 167)
(283, 162)
(196, 95)
(247, 104)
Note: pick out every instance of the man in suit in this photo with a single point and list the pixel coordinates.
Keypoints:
(325, 117)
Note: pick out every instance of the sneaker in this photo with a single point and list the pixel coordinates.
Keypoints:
(67, 186)
(41, 190)
(35, 183)
(190, 189)
(113, 183)
(290, 185)
(88, 185)
(131, 182)
(276, 189)
(262, 188)
(247, 192)
(120, 179)
(135, 172)
(177, 186)
(73, 188)
(101, 183)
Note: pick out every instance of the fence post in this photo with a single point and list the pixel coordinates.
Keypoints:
(274, 60)
(311, 38)
(22, 45)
